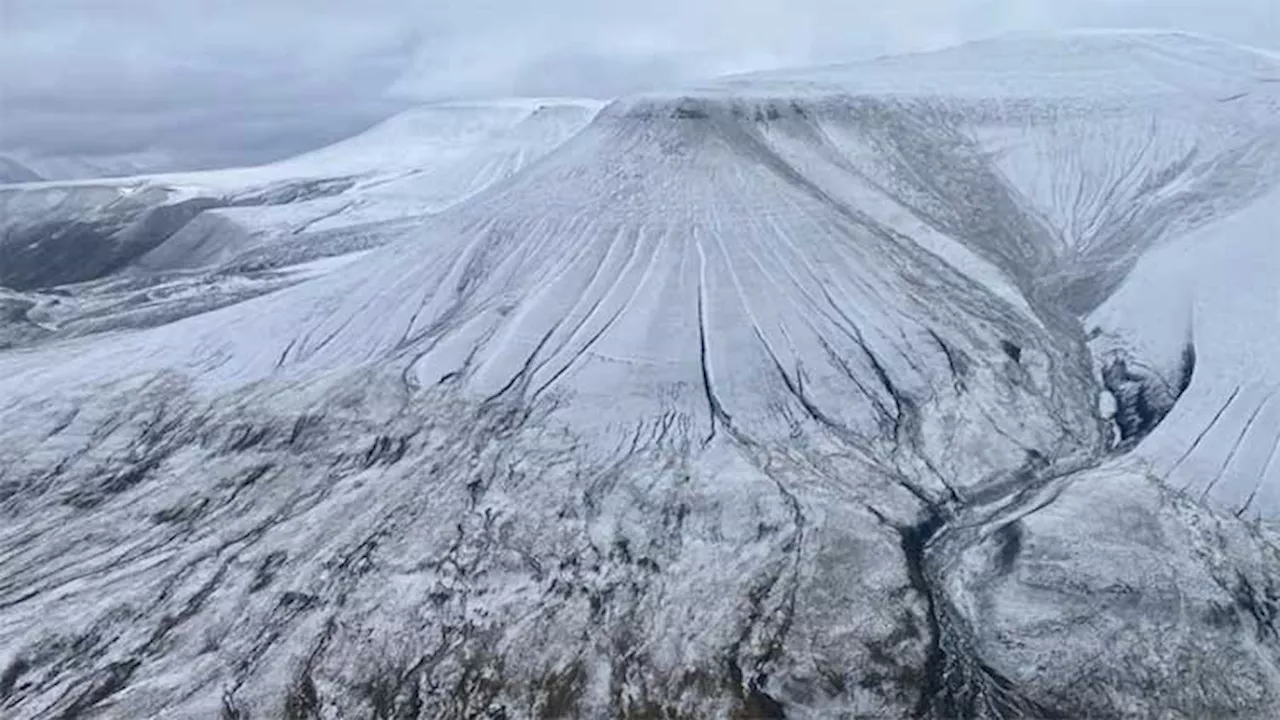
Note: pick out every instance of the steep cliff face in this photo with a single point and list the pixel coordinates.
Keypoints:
(833, 394)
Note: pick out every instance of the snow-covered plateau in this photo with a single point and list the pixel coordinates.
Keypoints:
(939, 386)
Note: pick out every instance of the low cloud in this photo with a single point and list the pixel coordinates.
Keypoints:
(240, 81)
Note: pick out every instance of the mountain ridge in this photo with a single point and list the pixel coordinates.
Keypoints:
(784, 400)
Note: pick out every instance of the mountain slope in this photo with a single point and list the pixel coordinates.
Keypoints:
(146, 250)
(415, 163)
(1209, 304)
(782, 397)
(12, 171)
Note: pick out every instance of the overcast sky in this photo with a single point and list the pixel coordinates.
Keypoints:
(236, 80)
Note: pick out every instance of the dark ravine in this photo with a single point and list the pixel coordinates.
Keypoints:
(961, 683)
(934, 697)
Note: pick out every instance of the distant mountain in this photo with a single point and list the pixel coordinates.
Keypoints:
(407, 167)
(937, 386)
(12, 171)
(76, 167)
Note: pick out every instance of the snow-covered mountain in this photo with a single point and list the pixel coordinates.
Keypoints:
(937, 386)
(148, 249)
(69, 167)
(12, 171)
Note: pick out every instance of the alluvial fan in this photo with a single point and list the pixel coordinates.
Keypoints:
(939, 386)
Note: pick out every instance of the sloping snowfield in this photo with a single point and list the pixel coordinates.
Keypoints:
(937, 386)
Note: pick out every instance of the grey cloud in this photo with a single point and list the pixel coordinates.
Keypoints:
(252, 79)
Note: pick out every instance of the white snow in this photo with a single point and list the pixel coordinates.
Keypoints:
(1219, 288)
(415, 163)
(788, 371)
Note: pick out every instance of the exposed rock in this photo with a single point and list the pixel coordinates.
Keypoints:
(778, 398)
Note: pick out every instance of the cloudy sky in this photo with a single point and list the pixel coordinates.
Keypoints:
(218, 81)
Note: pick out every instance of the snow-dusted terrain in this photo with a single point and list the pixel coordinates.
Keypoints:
(937, 386)
(173, 245)
(18, 167)
(12, 171)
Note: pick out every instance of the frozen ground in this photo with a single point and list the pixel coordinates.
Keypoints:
(143, 250)
(939, 386)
